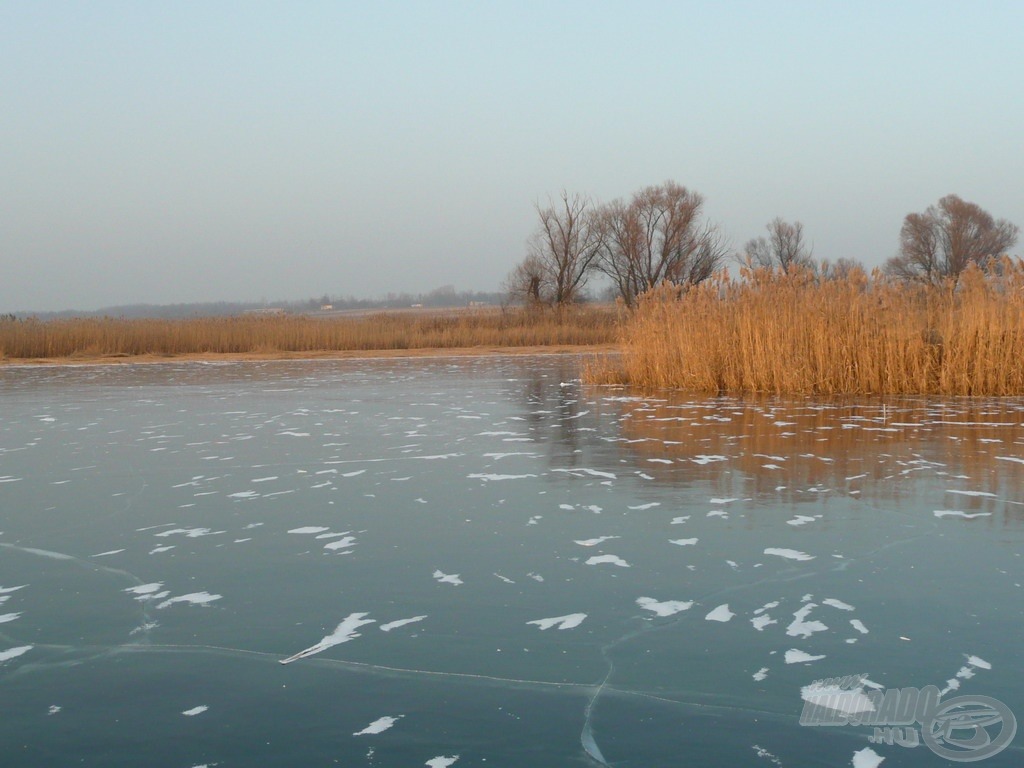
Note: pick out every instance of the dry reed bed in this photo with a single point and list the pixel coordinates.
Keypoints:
(772, 332)
(256, 334)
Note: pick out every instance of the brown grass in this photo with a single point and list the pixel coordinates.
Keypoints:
(114, 337)
(772, 332)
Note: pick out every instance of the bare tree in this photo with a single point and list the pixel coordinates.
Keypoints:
(942, 241)
(784, 248)
(564, 247)
(840, 269)
(525, 283)
(658, 236)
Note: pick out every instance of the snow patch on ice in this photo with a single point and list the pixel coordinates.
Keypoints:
(664, 608)
(570, 621)
(721, 613)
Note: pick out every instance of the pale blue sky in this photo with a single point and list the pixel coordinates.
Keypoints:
(189, 151)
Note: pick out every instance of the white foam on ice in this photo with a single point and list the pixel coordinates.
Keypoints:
(447, 578)
(611, 559)
(794, 656)
(571, 621)
(379, 725)
(400, 623)
(721, 613)
(193, 598)
(344, 632)
(789, 554)
(665, 607)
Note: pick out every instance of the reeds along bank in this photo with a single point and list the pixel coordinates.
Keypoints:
(794, 332)
(511, 327)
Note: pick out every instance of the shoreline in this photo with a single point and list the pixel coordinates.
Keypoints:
(345, 354)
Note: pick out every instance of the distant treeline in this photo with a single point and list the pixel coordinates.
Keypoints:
(445, 296)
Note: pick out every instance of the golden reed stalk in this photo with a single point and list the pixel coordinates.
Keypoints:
(262, 334)
(796, 333)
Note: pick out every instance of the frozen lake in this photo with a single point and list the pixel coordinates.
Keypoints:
(480, 562)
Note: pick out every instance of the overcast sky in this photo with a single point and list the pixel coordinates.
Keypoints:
(182, 151)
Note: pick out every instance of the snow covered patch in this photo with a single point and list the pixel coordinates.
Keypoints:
(957, 513)
(309, 529)
(13, 653)
(378, 726)
(571, 621)
(831, 601)
(664, 608)
(847, 701)
(683, 542)
(761, 674)
(794, 656)
(611, 559)
(193, 598)
(866, 758)
(800, 627)
(195, 711)
(400, 623)
(789, 554)
(441, 761)
(344, 632)
(594, 542)
(721, 613)
(447, 578)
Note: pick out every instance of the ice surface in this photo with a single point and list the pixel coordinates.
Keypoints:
(866, 758)
(611, 559)
(794, 656)
(378, 726)
(664, 608)
(344, 632)
(570, 621)
(790, 554)
(400, 623)
(721, 613)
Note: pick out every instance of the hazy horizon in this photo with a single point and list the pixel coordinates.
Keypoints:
(196, 152)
